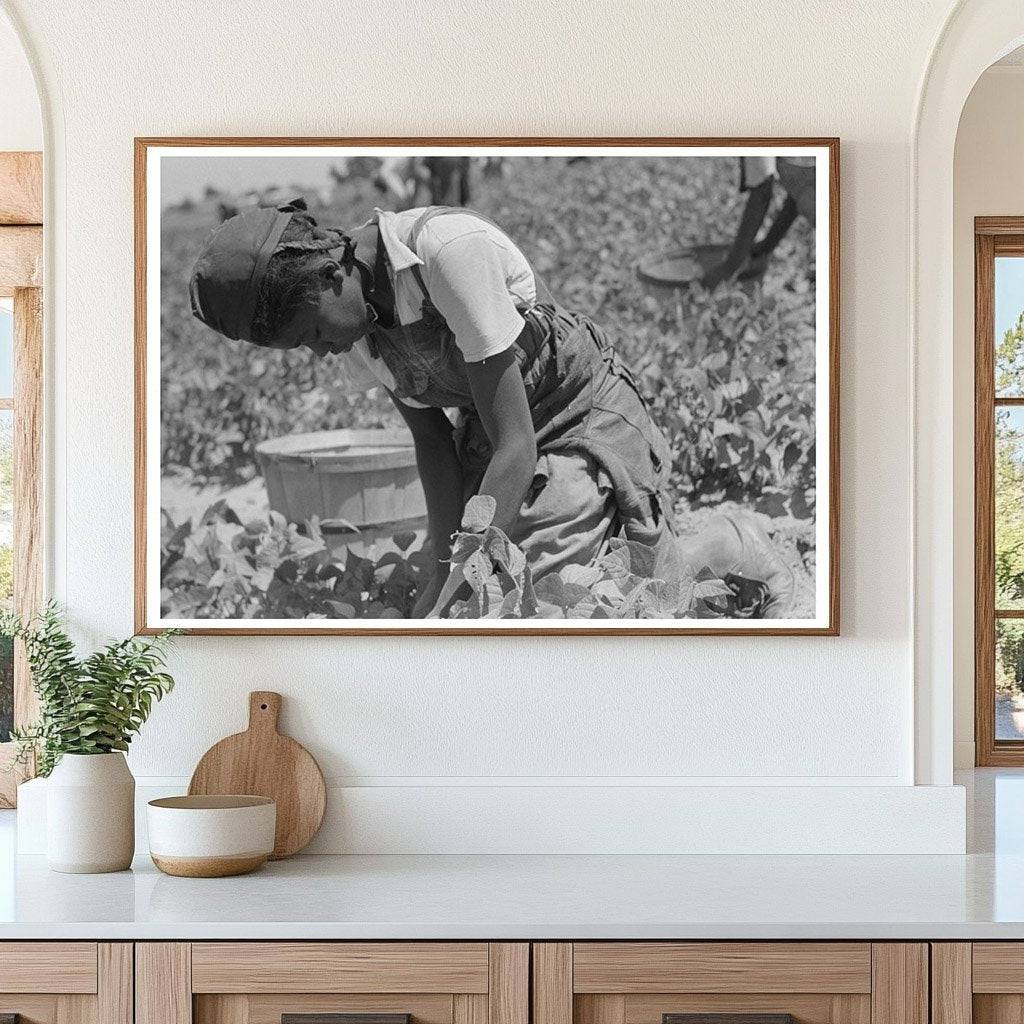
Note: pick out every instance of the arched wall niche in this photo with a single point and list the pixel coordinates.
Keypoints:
(975, 35)
(21, 116)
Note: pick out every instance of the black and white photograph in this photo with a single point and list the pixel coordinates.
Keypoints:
(476, 388)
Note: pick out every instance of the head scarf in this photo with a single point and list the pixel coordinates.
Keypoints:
(227, 275)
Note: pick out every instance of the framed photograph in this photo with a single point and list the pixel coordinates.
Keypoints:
(440, 386)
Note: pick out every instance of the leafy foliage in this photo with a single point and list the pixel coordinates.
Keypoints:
(1009, 657)
(737, 402)
(269, 569)
(622, 585)
(6, 572)
(1009, 471)
(6, 687)
(1009, 512)
(1010, 360)
(90, 705)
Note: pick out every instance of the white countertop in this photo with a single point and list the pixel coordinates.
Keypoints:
(978, 896)
(532, 897)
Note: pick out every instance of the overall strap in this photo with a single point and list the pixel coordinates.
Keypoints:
(544, 295)
(428, 214)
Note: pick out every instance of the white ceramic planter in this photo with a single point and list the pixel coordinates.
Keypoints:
(90, 814)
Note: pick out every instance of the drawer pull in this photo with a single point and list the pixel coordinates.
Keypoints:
(728, 1018)
(340, 1018)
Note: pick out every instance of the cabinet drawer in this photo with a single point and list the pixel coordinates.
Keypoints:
(635, 967)
(261, 982)
(340, 967)
(269, 1009)
(48, 967)
(998, 967)
(735, 982)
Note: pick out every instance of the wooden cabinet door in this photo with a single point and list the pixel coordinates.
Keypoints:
(979, 982)
(66, 982)
(263, 982)
(737, 982)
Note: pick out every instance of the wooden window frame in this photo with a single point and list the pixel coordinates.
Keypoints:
(21, 270)
(993, 236)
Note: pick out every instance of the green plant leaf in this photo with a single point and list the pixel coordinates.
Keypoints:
(90, 705)
(477, 570)
(478, 513)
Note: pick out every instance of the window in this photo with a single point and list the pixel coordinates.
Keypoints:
(999, 490)
(21, 365)
(20, 494)
(6, 510)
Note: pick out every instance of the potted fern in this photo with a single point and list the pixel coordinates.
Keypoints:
(89, 710)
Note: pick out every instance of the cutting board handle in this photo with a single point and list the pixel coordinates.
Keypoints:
(264, 710)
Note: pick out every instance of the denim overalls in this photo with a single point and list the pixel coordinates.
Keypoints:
(582, 398)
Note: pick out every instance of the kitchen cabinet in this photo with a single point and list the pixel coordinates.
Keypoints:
(231, 982)
(66, 982)
(977, 982)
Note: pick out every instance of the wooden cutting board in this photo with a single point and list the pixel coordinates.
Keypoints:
(262, 762)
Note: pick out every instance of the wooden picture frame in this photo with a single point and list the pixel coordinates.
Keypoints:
(149, 150)
(21, 266)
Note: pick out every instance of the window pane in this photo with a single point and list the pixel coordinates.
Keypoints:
(6, 567)
(1009, 679)
(6, 348)
(1009, 325)
(1009, 483)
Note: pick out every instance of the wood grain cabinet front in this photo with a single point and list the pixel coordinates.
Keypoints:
(332, 983)
(66, 982)
(977, 983)
(730, 983)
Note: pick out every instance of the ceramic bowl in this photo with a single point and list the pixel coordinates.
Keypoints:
(211, 836)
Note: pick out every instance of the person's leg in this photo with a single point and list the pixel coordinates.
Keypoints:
(798, 177)
(758, 201)
(568, 516)
(658, 533)
(464, 171)
(572, 516)
(777, 231)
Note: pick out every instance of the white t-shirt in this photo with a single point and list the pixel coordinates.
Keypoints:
(476, 276)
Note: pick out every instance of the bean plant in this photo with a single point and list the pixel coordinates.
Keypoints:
(268, 568)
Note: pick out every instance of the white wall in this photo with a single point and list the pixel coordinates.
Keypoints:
(21, 125)
(488, 712)
(988, 181)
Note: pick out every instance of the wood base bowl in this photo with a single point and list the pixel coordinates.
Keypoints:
(209, 867)
(211, 836)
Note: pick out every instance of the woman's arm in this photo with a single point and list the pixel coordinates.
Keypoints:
(440, 473)
(500, 399)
